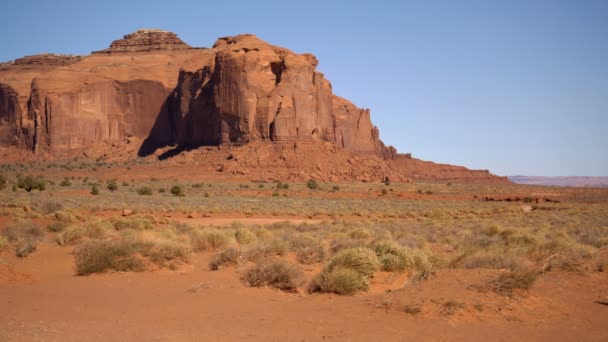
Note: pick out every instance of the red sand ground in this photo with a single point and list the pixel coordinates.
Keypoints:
(42, 300)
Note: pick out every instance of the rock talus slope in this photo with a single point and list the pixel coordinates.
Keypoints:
(152, 87)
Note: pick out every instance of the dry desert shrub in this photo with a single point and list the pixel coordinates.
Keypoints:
(57, 227)
(347, 272)
(133, 222)
(393, 257)
(229, 256)
(94, 229)
(165, 252)
(48, 207)
(24, 236)
(95, 256)
(308, 249)
(266, 248)
(210, 239)
(508, 282)
(451, 307)
(342, 281)
(274, 272)
(360, 260)
(244, 236)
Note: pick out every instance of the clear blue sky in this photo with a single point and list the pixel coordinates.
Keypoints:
(517, 87)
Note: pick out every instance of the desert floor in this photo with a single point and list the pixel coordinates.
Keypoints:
(474, 241)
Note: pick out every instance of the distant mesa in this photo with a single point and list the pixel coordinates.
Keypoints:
(152, 87)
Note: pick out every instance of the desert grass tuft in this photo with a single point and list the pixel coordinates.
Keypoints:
(274, 272)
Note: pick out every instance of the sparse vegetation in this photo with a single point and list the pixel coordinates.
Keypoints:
(112, 185)
(347, 272)
(96, 256)
(145, 191)
(274, 272)
(177, 190)
(507, 283)
(24, 236)
(312, 184)
(29, 183)
(229, 256)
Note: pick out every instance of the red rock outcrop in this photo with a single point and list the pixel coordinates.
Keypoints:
(147, 40)
(155, 88)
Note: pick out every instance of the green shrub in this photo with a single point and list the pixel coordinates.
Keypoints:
(112, 185)
(361, 260)
(65, 182)
(146, 191)
(96, 256)
(393, 257)
(343, 281)
(335, 188)
(94, 190)
(29, 183)
(3, 182)
(275, 273)
(229, 256)
(312, 184)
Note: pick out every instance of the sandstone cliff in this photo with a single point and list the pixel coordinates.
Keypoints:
(152, 87)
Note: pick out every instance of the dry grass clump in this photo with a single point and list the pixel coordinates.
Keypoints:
(65, 217)
(166, 252)
(48, 207)
(347, 272)
(95, 229)
(393, 257)
(265, 249)
(133, 222)
(451, 307)
(361, 260)
(312, 254)
(24, 236)
(57, 227)
(342, 281)
(507, 283)
(210, 239)
(95, 256)
(274, 272)
(229, 256)
(308, 249)
(244, 236)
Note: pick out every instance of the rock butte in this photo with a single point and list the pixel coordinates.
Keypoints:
(153, 88)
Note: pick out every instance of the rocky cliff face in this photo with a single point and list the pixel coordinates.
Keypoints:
(155, 88)
(152, 85)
